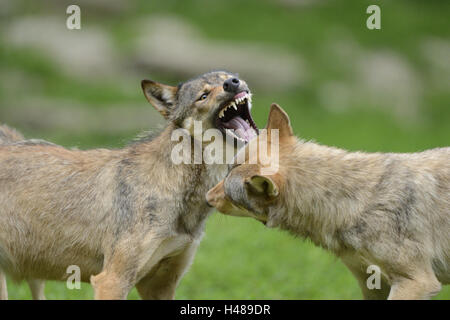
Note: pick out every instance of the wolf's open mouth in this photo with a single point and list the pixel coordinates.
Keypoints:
(234, 118)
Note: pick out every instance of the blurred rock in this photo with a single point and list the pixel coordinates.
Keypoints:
(170, 45)
(7, 7)
(97, 6)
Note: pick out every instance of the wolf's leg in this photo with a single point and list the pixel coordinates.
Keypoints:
(420, 286)
(3, 287)
(162, 283)
(37, 289)
(120, 269)
(361, 276)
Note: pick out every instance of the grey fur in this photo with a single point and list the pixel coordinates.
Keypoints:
(390, 210)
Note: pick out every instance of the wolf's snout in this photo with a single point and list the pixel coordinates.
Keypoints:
(231, 85)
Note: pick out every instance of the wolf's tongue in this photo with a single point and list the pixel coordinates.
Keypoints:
(240, 127)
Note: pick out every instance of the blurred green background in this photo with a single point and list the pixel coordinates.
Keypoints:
(342, 85)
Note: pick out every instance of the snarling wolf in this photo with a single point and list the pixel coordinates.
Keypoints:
(127, 217)
(370, 209)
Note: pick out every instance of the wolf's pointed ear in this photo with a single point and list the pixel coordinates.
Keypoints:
(263, 185)
(278, 119)
(161, 96)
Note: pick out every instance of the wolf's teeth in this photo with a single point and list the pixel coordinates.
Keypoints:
(221, 113)
(234, 106)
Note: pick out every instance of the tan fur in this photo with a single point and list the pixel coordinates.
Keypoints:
(389, 210)
(10, 136)
(127, 217)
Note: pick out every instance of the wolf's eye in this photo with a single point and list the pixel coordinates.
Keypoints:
(203, 96)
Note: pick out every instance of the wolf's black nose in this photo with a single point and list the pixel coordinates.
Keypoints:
(231, 85)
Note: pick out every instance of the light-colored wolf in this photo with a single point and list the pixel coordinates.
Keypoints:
(389, 210)
(127, 217)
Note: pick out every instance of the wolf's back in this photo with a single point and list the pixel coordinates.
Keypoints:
(9, 135)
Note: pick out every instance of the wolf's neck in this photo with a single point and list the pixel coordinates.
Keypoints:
(326, 191)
